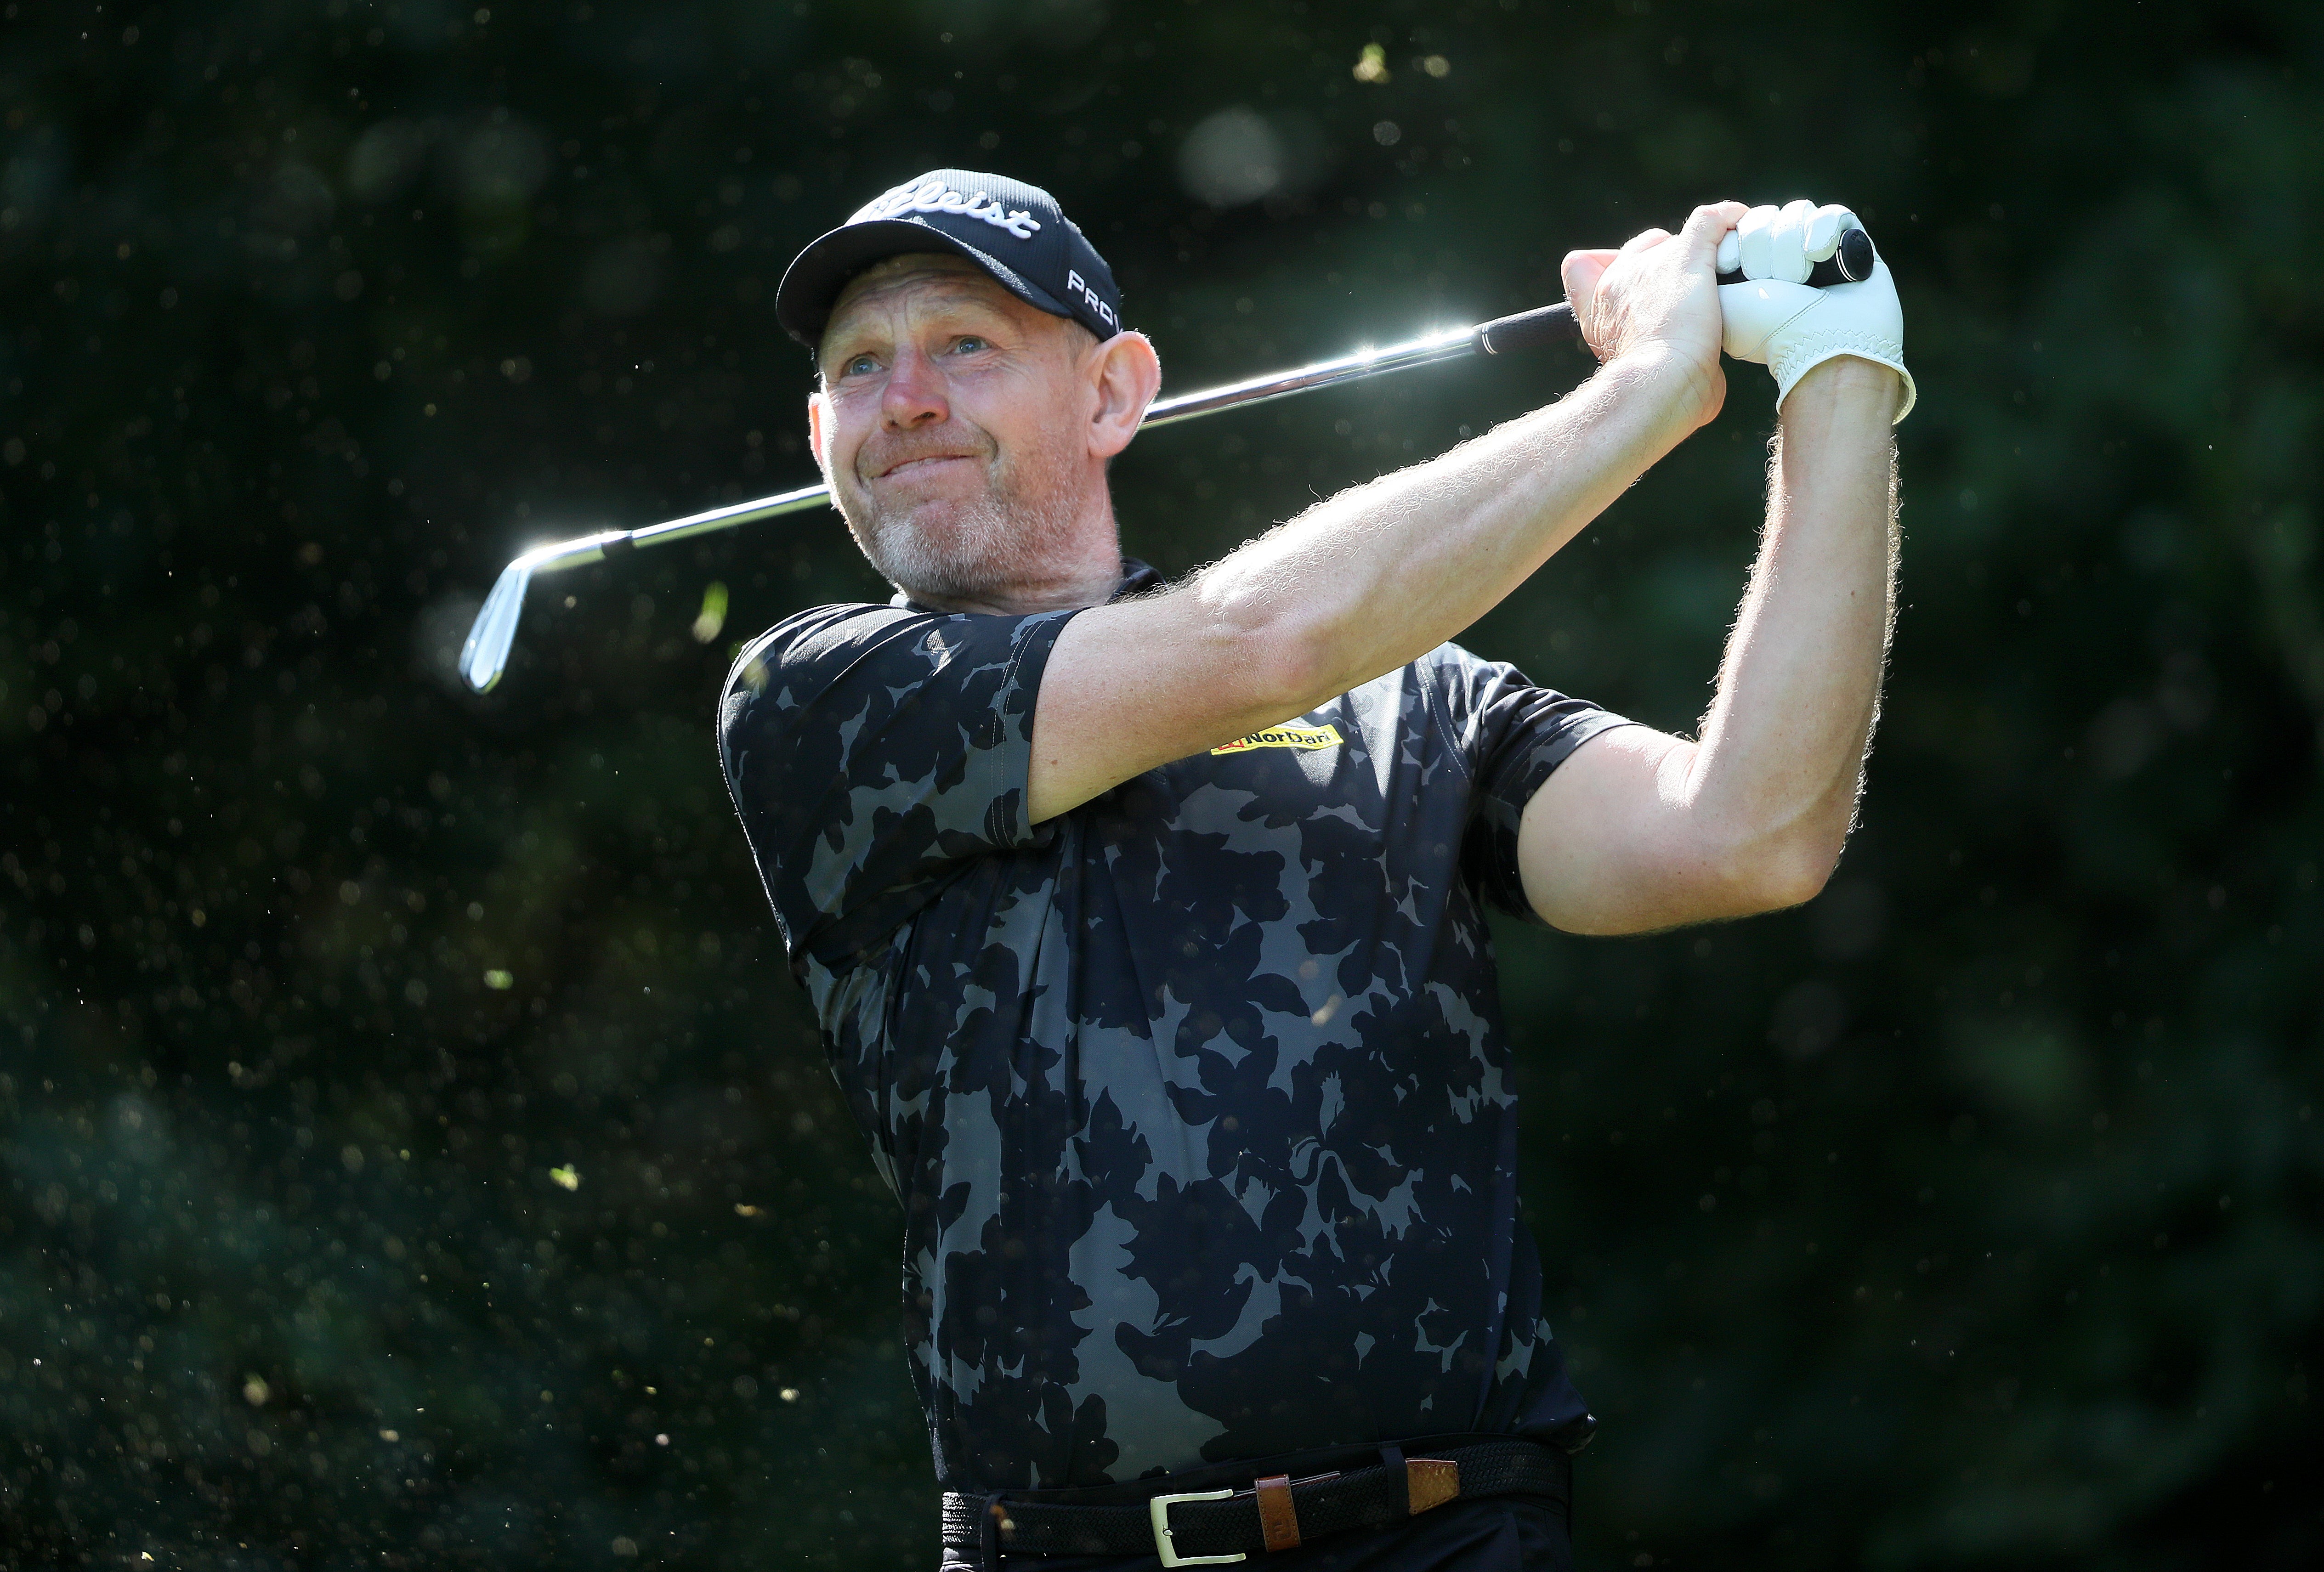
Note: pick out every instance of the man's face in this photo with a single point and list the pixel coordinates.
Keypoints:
(951, 427)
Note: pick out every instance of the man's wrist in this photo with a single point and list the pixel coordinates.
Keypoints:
(1677, 382)
(1846, 381)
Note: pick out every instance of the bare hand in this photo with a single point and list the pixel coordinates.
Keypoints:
(1657, 301)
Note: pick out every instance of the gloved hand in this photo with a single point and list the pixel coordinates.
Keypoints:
(1776, 318)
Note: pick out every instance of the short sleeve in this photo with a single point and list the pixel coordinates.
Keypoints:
(871, 751)
(1512, 735)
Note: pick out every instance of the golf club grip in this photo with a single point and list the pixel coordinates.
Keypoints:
(1529, 329)
(1852, 263)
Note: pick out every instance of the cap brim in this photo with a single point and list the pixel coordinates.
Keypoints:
(812, 283)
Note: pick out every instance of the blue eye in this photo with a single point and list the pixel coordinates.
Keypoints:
(970, 343)
(862, 365)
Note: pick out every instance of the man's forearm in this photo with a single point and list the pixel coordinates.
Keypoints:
(1782, 746)
(1383, 572)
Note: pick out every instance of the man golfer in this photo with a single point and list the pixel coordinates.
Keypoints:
(1145, 922)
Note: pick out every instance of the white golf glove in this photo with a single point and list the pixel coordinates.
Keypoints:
(1774, 317)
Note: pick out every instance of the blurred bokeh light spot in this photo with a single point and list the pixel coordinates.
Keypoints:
(384, 159)
(712, 615)
(501, 162)
(1239, 155)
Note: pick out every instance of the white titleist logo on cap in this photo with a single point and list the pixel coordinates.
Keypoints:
(936, 196)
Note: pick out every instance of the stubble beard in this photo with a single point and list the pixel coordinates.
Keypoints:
(1016, 535)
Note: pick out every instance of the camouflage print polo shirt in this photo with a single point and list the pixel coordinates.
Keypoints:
(1197, 1097)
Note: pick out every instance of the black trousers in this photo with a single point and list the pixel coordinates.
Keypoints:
(1498, 1533)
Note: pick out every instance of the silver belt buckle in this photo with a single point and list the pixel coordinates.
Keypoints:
(1158, 1509)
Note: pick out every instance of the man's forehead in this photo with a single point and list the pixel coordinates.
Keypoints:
(950, 277)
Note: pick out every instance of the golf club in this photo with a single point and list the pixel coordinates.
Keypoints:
(485, 654)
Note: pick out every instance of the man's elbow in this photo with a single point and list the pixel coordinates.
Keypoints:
(1792, 872)
(1705, 887)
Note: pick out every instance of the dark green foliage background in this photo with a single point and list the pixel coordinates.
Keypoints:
(1968, 1217)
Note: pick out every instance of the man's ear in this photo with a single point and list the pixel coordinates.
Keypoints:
(816, 413)
(1127, 375)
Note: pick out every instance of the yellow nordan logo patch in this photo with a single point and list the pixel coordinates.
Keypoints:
(1284, 736)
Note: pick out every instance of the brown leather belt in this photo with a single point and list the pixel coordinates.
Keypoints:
(1201, 1517)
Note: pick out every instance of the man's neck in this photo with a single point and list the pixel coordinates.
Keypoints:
(1086, 577)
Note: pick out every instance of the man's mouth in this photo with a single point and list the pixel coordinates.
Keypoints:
(905, 466)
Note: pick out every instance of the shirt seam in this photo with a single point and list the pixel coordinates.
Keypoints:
(997, 784)
(1442, 720)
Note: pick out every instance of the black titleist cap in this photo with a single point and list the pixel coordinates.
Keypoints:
(1013, 231)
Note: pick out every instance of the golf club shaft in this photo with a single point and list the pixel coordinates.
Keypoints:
(486, 653)
(1549, 324)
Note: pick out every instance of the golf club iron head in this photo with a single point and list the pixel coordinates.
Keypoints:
(485, 654)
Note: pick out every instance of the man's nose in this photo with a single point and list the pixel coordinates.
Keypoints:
(915, 391)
